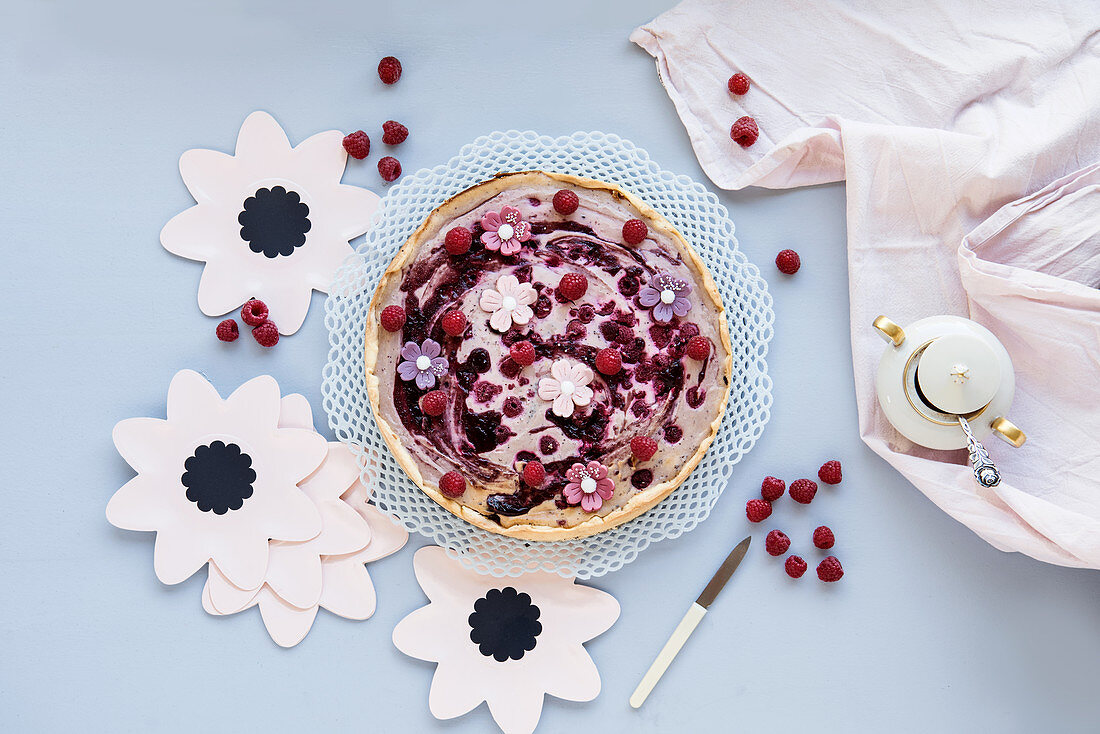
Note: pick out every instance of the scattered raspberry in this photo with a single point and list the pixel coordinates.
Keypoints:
(254, 312)
(454, 323)
(512, 406)
(635, 231)
(566, 202)
(643, 447)
(830, 472)
(609, 361)
(458, 240)
(522, 353)
(758, 510)
(389, 168)
(434, 403)
(357, 144)
(803, 490)
(389, 70)
(795, 566)
(824, 538)
(745, 132)
(698, 348)
(393, 318)
(829, 569)
(266, 334)
(788, 262)
(777, 543)
(738, 84)
(227, 331)
(393, 132)
(452, 484)
(533, 473)
(772, 489)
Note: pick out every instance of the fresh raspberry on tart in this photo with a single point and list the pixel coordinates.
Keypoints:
(453, 323)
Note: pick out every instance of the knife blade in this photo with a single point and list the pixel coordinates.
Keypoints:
(688, 624)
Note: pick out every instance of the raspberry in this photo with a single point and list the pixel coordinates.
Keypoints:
(534, 474)
(452, 484)
(254, 312)
(758, 510)
(635, 231)
(393, 132)
(745, 132)
(522, 353)
(772, 489)
(738, 84)
(458, 240)
(393, 318)
(573, 286)
(829, 569)
(357, 144)
(227, 331)
(389, 70)
(266, 334)
(795, 566)
(609, 361)
(830, 472)
(777, 543)
(454, 323)
(643, 447)
(566, 202)
(803, 491)
(434, 403)
(824, 538)
(698, 348)
(788, 262)
(389, 168)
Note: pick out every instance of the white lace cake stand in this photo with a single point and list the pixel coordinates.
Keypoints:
(693, 210)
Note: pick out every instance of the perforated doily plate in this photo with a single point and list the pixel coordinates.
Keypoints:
(693, 210)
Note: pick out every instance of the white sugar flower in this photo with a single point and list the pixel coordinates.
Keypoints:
(509, 303)
(507, 642)
(567, 387)
(272, 222)
(217, 480)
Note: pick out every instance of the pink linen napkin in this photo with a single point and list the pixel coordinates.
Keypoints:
(944, 120)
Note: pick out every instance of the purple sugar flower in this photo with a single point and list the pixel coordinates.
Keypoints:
(666, 296)
(422, 363)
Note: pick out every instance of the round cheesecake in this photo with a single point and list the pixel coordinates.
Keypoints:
(552, 368)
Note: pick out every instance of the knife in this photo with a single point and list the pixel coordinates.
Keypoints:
(689, 623)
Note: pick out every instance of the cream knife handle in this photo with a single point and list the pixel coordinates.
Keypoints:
(668, 652)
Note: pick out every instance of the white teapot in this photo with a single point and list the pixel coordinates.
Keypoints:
(945, 383)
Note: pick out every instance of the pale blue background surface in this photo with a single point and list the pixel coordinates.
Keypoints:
(930, 630)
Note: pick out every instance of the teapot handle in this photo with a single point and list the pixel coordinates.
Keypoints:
(1007, 430)
(890, 331)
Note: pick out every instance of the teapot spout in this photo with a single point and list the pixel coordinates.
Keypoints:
(1007, 430)
(890, 331)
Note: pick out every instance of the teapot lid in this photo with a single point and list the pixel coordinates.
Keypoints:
(959, 373)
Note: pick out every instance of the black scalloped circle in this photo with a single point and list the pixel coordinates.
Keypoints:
(274, 221)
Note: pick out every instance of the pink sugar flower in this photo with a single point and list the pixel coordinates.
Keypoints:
(588, 486)
(505, 231)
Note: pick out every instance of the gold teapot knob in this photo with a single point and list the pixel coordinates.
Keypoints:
(1007, 430)
(890, 331)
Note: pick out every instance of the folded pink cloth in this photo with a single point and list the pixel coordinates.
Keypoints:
(940, 118)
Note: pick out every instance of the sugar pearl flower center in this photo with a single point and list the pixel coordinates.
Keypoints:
(506, 232)
(668, 296)
(508, 303)
(588, 485)
(423, 363)
(567, 387)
